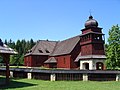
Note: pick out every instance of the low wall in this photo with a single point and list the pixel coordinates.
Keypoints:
(18, 74)
(69, 76)
(102, 77)
(56, 75)
(41, 76)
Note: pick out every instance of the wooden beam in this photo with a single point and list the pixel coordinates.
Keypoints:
(6, 58)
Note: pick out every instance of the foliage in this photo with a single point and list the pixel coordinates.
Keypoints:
(1, 61)
(21, 46)
(113, 48)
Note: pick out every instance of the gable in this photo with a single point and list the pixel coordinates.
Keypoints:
(66, 46)
(42, 47)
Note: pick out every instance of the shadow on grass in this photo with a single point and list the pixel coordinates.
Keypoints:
(14, 84)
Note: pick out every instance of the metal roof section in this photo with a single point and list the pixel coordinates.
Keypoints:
(92, 57)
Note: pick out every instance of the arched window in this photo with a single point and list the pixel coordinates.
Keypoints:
(86, 66)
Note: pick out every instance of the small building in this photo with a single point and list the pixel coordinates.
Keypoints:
(5, 53)
(39, 53)
(85, 51)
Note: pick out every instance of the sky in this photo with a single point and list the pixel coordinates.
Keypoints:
(54, 19)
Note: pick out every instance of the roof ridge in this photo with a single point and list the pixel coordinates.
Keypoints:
(75, 45)
(35, 47)
(67, 48)
(47, 40)
(54, 47)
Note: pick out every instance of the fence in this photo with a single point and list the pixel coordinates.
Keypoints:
(56, 75)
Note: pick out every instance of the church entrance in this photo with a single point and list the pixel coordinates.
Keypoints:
(99, 66)
(86, 66)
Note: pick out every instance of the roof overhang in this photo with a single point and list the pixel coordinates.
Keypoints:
(90, 57)
(51, 60)
(7, 50)
(90, 28)
(28, 54)
(92, 33)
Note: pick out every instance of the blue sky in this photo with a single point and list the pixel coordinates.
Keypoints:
(54, 19)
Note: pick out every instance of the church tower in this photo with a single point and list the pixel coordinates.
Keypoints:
(92, 46)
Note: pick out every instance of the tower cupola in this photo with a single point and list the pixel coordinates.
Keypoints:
(91, 22)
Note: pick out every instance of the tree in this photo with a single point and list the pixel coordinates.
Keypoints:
(6, 42)
(21, 46)
(32, 43)
(113, 48)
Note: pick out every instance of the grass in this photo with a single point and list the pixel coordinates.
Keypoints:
(26, 67)
(41, 68)
(26, 84)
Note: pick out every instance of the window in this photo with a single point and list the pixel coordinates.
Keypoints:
(47, 51)
(98, 38)
(30, 51)
(99, 66)
(86, 66)
(40, 50)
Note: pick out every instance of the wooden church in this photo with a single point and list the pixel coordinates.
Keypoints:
(85, 51)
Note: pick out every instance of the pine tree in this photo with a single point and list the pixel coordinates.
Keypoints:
(6, 41)
(21, 46)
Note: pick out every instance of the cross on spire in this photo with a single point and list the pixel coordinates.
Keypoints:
(90, 12)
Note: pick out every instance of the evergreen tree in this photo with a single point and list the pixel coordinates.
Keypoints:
(21, 46)
(23, 42)
(32, 43)
(6, 42)
(10, 43)
(113, 48)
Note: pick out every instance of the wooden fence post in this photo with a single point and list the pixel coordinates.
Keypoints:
(6, 58)
(11, 74)
(85, 77)
(52, 77)
(29, 75)
(117, 77)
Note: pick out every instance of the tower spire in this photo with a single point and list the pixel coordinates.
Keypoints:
(90, 12)
(90, 17)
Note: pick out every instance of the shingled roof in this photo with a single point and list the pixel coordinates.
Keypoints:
(4, 49)
(92, 56)
(42, 47)
(54, 48)
(77, 59)
(7, 50)
(66, 46)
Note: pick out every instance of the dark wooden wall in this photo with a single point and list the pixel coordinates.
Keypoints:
(35, 60)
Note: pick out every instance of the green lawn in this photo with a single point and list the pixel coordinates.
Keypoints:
(25, 84)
